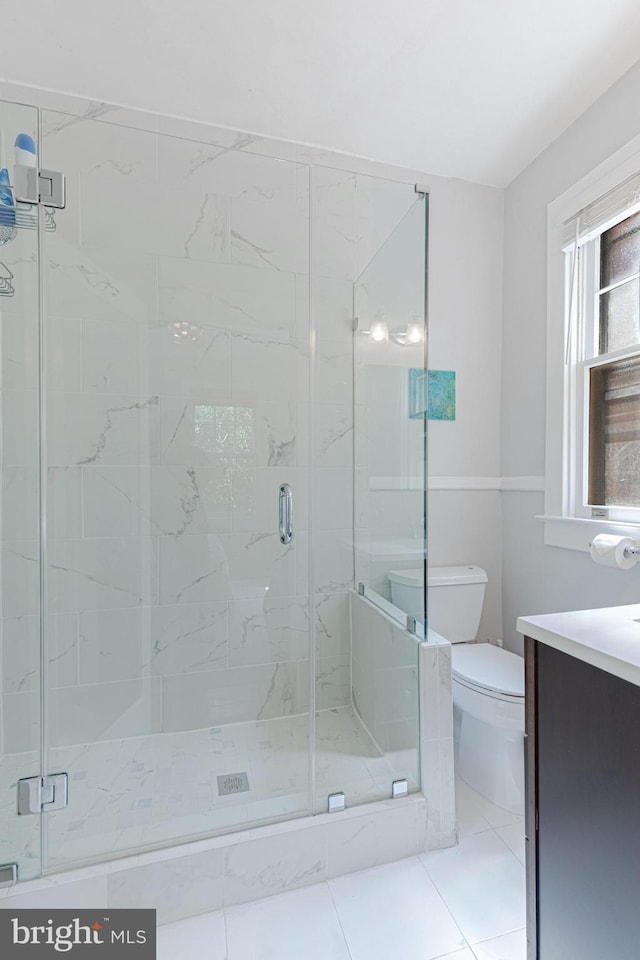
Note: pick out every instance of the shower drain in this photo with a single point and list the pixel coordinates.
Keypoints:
(232, 783)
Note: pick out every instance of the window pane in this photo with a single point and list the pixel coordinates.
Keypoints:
(620, 251)
(620, 317)
(614, 434)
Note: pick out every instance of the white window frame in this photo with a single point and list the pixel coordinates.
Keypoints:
(566, 523)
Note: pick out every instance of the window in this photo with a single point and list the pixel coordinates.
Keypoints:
(592, 481)
(614, 434)
(607, 378)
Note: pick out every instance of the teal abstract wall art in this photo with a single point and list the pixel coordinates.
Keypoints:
(439, 400)
(442, 395)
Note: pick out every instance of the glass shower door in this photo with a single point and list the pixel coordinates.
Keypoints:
(20, 670)
(176, 328)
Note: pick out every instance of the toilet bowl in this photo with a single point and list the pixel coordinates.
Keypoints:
(488, 713)
(487, 681)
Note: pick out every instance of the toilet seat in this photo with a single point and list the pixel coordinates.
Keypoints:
(489, 670)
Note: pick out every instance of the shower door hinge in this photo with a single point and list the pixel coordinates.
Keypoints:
(41, 794)
(34, 185)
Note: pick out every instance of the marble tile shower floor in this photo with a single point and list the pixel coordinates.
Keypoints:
(124, 794)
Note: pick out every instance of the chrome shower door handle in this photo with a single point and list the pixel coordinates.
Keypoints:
(285, 502)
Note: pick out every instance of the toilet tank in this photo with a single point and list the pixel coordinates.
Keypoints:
(454, 601)
(455, 598)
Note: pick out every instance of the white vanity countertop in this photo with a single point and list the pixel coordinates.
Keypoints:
(608, 638)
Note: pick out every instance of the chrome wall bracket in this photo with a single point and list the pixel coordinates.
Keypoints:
(8, 874)
(41, 794)
(412, 624)
(336, 803)
(399, 788)
(34, 185)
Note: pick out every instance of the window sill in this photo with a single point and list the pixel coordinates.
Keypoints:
(576, 533)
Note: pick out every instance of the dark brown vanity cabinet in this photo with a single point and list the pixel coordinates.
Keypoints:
(583, 809)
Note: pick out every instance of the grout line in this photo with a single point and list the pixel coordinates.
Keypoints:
(504, 842)
(226, 934)
(446, 906)
(456, 953)
(337, 913)
(500, 935)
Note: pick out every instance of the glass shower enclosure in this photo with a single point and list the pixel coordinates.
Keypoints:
(186, 481)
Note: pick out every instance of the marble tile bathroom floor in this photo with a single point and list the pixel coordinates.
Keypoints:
(464, 903)
(129, 793)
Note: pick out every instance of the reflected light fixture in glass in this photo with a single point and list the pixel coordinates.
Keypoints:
(415, 332)
(379, 332)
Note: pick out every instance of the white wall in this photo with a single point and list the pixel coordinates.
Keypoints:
(465, 300)
(540, 579)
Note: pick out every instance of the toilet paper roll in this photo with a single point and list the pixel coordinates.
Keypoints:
(611, 551)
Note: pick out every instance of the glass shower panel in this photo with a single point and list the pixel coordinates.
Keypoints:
(390, 420)
(369, 242)
(20, 672)
(177, 332)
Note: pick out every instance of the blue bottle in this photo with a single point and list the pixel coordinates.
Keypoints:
(25, 150)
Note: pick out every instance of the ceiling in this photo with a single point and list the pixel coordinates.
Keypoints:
(463, 88)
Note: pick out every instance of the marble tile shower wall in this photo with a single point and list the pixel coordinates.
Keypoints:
(177, 393)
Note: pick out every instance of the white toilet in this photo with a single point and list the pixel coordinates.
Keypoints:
(488, 682)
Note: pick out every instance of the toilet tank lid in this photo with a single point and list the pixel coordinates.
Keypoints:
(439, 576)
(490, 667)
